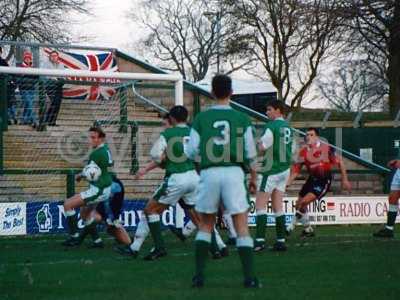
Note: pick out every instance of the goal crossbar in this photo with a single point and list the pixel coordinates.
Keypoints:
(176, 78)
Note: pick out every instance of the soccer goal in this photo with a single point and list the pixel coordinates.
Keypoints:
(45, 118)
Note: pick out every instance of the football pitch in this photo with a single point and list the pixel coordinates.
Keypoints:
(341, 262)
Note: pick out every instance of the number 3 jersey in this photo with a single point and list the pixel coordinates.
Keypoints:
(171, 144)
(222, 136)
(277, 139)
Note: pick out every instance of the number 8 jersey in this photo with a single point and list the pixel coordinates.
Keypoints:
(277, 138)
(222, 136)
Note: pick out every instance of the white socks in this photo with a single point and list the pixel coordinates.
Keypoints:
(141, 233)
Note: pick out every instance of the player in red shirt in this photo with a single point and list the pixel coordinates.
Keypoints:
(319, 159)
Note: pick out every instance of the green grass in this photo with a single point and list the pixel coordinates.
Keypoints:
(342, 262)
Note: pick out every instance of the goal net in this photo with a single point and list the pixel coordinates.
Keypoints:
(45, 118)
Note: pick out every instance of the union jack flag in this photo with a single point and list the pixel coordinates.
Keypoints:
(90, 62)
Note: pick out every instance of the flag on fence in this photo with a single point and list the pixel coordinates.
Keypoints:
(91, 62)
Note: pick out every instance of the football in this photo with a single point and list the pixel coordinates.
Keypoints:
(92, 172)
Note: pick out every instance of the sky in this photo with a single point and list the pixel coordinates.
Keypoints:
(108, 26)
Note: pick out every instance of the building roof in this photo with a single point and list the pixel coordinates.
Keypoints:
(243, 87)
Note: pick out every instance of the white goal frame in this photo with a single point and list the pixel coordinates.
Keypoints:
(176, 78)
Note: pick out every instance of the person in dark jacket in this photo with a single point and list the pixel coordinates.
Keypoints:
(27, 88)
(10, 93)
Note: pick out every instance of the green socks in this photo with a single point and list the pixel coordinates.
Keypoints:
(245, 250)
(261, 222)
(72, 222)
(155, 231)
(280, 227)
(202, 245)
(214, 245)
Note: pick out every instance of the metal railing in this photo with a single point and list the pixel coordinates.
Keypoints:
(346, 153)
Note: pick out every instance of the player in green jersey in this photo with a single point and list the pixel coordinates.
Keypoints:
(222, 141)
(276, 147)
(98, 191)
(180, 182)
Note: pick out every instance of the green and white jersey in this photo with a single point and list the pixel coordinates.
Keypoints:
(277, 140)
(101, 156)
(222, 136)
(171, 144)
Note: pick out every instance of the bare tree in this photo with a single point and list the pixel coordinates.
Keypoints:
(352, 87)
(290, 39)
(377, 22)
(190, 36)
(37, 20)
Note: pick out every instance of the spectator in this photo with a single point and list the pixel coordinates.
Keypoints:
(27, 87)
(10, 93)
(54, 88)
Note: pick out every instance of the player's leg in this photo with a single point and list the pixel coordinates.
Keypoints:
(394, 197)
(120, 234)
(202, 246)
(152, 211)
(236, 201)
(279, 188)
(71, 217)
(302, 214)
(261, 220)
(141, 233)
(231, 229)
(90, 227)
(388, 230)
(244, 244)
(191, 226)
(277, 207)
(91, 218)
(208, 199)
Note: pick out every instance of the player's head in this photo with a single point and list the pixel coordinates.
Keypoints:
(312, 135)
(275, 109)
(221, 86)
(178, 114)
(96, 136)
(54, 56)
(166, 121)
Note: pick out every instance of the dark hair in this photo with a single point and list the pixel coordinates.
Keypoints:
(99, 131)
(277, 104)
(165, 116)
(54, 51)
(179, 113)
(221, 86)
(1, 50)
(315, 129)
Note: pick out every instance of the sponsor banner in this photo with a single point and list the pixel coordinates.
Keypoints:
(334, 210)
(13, 218)
(48, 217)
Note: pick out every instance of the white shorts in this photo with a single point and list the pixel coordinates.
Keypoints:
(277, 181)
(178, 186)
(226, 184)
(95, 194)
(395, 186)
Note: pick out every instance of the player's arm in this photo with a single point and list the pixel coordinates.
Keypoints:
(294, 172)
(157, 152)
(146, 169)
(251, 157)
(394, 164)
(192, 147)
(345, 180)
(265, 142)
